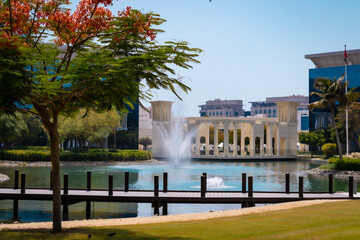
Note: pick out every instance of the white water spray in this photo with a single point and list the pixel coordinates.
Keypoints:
(177, 139)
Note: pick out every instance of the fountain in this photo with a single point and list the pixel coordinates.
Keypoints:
(176, 139)
(171, 135)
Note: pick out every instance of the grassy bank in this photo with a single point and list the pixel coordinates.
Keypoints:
(337, 220)
(31, 155)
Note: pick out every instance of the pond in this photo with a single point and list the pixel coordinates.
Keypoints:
(224, 176)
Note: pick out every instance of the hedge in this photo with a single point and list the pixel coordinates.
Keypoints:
(93, 155)
(348, 164)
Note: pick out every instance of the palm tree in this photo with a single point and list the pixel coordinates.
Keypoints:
(332, 94)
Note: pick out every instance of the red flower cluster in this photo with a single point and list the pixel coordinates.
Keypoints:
(140, 23)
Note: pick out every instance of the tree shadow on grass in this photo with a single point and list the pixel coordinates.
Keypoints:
(83, 233)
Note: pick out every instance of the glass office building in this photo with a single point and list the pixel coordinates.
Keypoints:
(331, 65)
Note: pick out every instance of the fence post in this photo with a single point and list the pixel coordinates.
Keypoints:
(16, 202)
(331, 187)
(250, 188)
(165, 182)
(301, 187)
(88, 181)
(202, 182)
(287, 183)
(156, 186)
(156, 194)
(16, 179)
(66, 183)
(243, 182)
(165, 209)
(23, 183)
(351, 186)
(110, 185)
(126, 185)
(205, 176)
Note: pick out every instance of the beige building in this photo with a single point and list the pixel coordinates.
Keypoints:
(279, 134)
(145, 123)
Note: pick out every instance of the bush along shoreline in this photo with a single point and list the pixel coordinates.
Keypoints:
(65, 156)
(349, 166)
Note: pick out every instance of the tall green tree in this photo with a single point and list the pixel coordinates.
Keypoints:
(94, 60)
(12, 128)
(314, 139)
(331, 95)
(36, 136)
(94, 127)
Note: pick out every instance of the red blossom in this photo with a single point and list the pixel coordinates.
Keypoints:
(91, 17)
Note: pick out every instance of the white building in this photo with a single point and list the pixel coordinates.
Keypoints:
(145, 126)
(280, 135)
(270, 109)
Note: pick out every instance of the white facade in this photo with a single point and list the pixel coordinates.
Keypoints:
(145, 123)
(269, 108)
(281, 133)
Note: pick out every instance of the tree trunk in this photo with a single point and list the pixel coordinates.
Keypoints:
(336, 133)
(55, 166)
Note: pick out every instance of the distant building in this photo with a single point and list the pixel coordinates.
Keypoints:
(331, 65)
(222, 108)
(145, 126)
(264, 108)
(269, 109)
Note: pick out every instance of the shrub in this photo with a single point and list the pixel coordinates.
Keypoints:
(25, 155)
(328, 149)
(348, 164)
(332, 160)
(94, 155)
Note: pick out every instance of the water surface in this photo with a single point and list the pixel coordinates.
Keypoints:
(268, 176)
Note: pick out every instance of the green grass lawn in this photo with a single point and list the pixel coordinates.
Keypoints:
(338, 220)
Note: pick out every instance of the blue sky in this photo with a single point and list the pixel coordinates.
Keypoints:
(252, 49)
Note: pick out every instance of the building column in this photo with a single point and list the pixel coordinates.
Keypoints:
(252, 141)
(197, 143)
(216, 141)
(242, 141)
(235, 139)
(226, 138)
(278, 141)
(269, 150)
(207, 140)
(262, 141)
(287, 146)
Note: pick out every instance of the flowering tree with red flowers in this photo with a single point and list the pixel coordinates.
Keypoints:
(54, 61)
